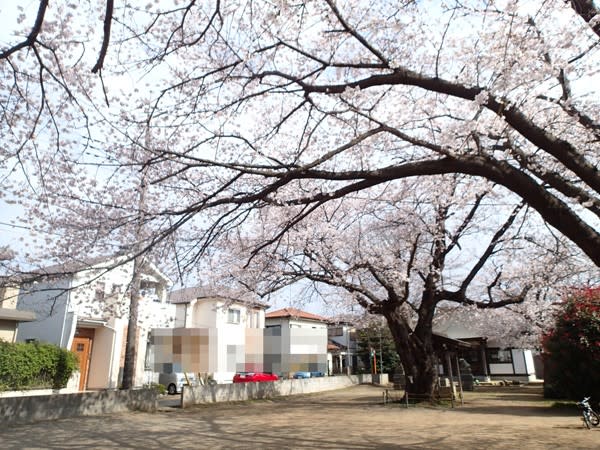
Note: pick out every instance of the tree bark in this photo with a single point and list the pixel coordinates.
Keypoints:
(128, 381)
(416, 353)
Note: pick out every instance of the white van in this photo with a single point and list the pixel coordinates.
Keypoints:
(176, 380)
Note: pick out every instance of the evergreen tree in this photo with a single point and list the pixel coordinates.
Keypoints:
(378, 338)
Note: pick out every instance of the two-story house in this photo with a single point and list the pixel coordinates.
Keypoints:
(295, 341)
(84, 306)
(213, 335)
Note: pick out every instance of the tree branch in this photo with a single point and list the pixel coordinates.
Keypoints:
(106, 37)
(35, 31)
(588, 12)
(490, 249)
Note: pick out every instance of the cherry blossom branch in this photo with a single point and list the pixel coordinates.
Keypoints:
(496, 239)
(561, 149)
(106, 36)
(32, 37)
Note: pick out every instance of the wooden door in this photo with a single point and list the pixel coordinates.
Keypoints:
(82, 346)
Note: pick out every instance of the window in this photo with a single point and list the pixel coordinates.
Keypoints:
(335, 331)
(499, 355)
(233, 315)
(149, 357)
(253, 319)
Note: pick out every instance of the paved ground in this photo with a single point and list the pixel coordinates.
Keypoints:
(354, 418)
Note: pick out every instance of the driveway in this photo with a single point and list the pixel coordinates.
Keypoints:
(353, 418)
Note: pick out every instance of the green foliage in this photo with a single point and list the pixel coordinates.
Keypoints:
(572, 349)
(160, 388)
(35, 365)
(379, 338)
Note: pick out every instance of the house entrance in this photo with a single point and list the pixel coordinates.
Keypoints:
(82, 346)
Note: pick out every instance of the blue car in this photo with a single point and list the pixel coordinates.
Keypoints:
(299, 375)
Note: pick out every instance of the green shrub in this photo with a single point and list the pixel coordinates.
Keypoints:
(160, 388)
(35, 365)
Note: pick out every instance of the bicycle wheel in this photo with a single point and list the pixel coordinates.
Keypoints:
(586, 419)
(594, 418)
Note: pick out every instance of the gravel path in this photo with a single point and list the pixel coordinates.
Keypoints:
(353, 418)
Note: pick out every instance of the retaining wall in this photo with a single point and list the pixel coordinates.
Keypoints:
(247, 391)
(24, 409)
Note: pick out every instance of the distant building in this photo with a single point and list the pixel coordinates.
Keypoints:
(295, 341)
(212, 335)
(492, 359)
(342, 349)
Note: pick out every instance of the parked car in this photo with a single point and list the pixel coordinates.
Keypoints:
(175, 381)
(301, 374)
(248, 377)
(317, 374)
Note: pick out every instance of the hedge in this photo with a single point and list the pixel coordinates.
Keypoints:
(35, 365)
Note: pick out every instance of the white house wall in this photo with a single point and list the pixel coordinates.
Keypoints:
(233, 353)
(102, 358)
(204, 314)
(116, 282)
(69, 326)
(230, 352)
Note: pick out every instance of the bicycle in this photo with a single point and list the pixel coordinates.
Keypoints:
(590, 417)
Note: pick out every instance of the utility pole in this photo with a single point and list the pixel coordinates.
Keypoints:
(380, 349)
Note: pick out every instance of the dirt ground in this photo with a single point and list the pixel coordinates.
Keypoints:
(354, 418)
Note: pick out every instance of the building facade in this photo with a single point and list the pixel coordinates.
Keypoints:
(295, 341)
(85, 307)
(212, 335)
(492, 359)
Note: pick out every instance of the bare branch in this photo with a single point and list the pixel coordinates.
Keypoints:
(32, 37)
(106, 36)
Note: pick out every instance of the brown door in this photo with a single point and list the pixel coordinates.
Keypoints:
(82, 346)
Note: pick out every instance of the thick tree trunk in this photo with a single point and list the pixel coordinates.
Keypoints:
(417, 355)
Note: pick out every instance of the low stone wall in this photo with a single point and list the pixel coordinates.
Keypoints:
(247, 391)
(32, 408)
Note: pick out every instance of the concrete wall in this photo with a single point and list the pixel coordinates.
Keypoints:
(57, 406)
(248, 391)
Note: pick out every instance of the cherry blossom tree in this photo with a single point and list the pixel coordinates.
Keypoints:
(302, 107)
(282, 103)
(406, 250)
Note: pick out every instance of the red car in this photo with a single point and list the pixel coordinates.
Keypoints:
(253, 377)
